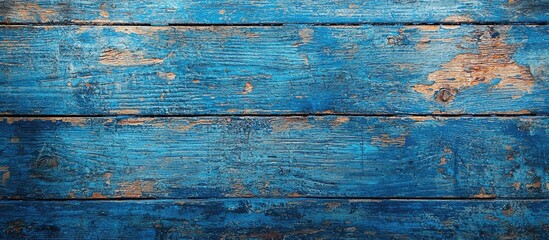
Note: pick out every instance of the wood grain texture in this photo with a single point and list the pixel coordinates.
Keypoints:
(274, 70)
(275, 219)
(162, 12)
(271, 119)
(330, 156)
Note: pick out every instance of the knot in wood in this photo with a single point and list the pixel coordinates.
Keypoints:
(444, 95)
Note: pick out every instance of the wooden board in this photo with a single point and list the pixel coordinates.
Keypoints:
(162, 12)
(293, 69)
(331, 156)
(274, 119)
(275, 219)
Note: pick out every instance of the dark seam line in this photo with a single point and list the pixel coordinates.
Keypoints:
(227, 24)
(266, 24)
(279, 198)
(424, 23)
(74, 24)
(273, 115)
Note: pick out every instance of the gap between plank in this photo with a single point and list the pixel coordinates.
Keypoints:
(267, 24)
(275, 115)
(373, 199)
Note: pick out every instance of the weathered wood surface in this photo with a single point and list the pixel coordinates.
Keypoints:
(274, 70)
(329, 156)
(275, 219)
(161, 12)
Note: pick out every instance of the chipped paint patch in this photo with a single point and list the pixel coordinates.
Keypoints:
(421, 118)
(458, 19)
(450, 26)
(483, 194)
(239, 190)
(536, 185)
(140, 121)
(98, 195)
(166, 75)
(192, 124)
(428, 28)
(103, 10)
(305, 58)
(5, 178)
(386, 140)
(295, 195)
(139, 30)
(248, 88)
(134, 189)
(76, 121)
(306, 35)
(126, 58)
(107, 178)
(29, 12)
(442, 161)
(290, 123)
(493, 62)
(126, 111)
(519, 112)
(339, 121)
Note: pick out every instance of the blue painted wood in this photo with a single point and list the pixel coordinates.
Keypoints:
(330, 156)
(274, 70)
(161, 12)
(274, 177)
(275, 219)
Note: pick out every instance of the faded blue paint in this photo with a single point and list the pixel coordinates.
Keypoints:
(163, 12)
(291, 69)
(274, 157)
(275, 219)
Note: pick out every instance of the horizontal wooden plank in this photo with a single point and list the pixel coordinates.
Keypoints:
(275, 219)
(323, 156)
(274, 70)
(162, 12)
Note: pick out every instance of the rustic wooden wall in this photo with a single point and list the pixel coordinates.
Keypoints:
(400, 119)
